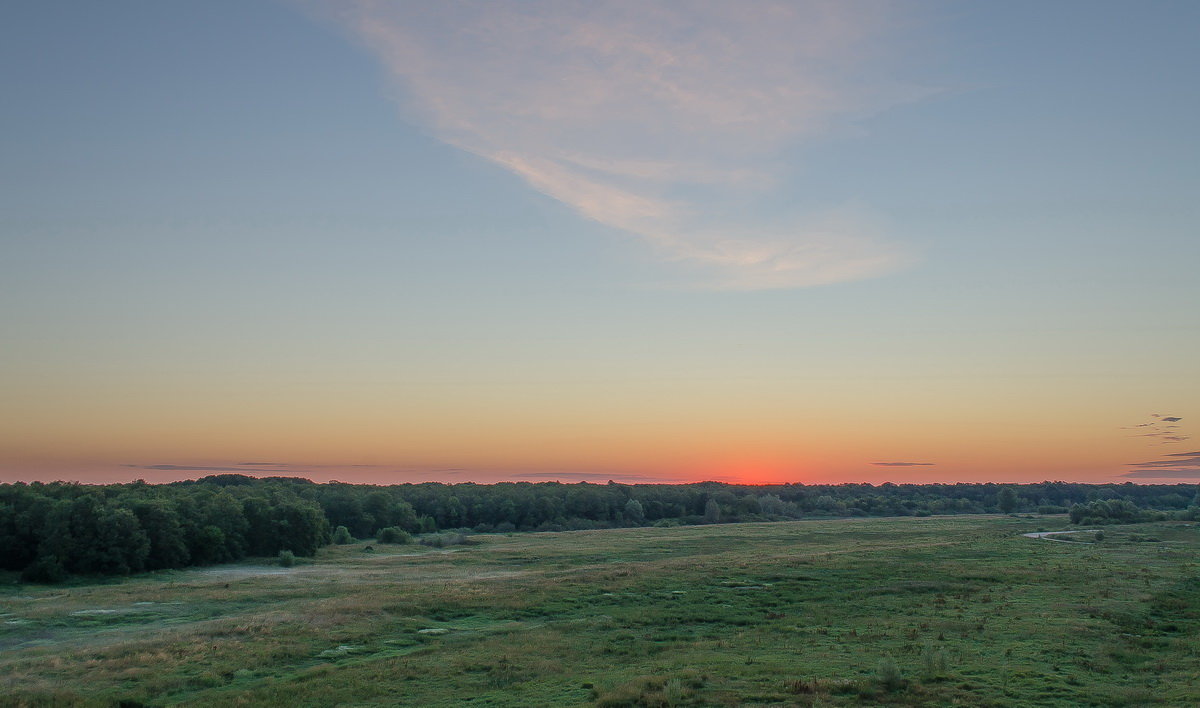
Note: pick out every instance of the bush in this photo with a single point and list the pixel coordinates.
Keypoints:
(341, 536)
(46, 569)
(933, 662)
(888, 675)
(441, 540)
(394, 534)
(287, 559)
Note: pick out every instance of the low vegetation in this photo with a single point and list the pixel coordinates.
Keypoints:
(898, 611)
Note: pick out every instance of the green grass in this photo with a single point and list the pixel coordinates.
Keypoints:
(932, 611)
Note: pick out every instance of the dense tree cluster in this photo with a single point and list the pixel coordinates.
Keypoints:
(48, 531)
(1112, 511)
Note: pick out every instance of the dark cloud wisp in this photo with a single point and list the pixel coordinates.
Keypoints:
(1163, 428)
(1181, 465)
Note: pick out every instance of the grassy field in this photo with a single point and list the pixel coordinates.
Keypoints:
(933, 611)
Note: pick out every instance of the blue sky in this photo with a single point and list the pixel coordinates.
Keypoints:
(621, 238)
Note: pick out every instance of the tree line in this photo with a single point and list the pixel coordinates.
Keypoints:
(49, 531)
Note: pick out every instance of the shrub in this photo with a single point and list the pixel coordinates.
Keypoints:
(46, 569)
(933, 662)
(341, 536)
(441, 540)
(287, 559)
(394, 534)
(888, 675)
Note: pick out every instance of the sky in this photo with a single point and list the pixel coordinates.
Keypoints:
(762, 242)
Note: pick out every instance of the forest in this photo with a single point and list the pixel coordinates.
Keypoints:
(51, 531)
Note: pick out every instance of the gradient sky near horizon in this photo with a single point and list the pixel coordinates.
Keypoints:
(641, 241)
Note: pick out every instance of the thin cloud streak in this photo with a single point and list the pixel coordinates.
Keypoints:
(1181, 465)
(201, 468)
(659, 119)
(393, 474)
(1164, 428)
(244, 467)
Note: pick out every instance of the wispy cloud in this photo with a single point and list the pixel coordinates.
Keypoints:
(200, 468)
(661, 119)
(1164, 428)
(396, 473)
(243, 467)
(1180, 465)
(903, 464)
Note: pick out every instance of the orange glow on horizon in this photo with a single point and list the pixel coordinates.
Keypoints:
(751, 470)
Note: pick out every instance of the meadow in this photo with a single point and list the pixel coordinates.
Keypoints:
(888, 611)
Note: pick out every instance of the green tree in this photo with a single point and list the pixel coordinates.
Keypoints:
(301, 527)
(168, 547)
(634, 512)
(1007, 500)
(207, 545)
(749, 504)
(712, 511)
(121, 546)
